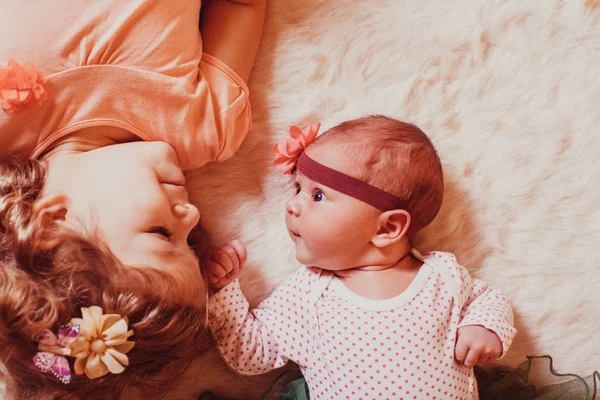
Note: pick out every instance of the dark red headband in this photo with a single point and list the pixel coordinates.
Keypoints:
(353, 187)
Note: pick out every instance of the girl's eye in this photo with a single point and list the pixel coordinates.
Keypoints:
(162, 231)
(298, 188)
(318, 196)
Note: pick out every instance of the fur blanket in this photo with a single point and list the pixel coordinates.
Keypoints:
(509, 92)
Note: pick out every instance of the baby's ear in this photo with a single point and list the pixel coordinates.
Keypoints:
(393, 225)
(51, 211)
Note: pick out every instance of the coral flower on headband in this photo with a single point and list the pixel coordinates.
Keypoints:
(21, 87)
(102, 343)
(288, 149)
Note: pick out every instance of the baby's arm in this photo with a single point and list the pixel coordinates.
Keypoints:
(486, 329)
(231, 31)
(257, 341)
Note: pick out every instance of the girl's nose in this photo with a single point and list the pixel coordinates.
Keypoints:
(188, 214)
(292, 206)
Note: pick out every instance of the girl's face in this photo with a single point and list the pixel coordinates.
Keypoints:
(330, 230)
(133, 195)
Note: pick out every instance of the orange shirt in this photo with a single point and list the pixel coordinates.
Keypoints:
(134, 64)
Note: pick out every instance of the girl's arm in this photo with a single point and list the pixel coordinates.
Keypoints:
(231, 32)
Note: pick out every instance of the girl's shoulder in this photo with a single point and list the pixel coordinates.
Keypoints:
(142, 75)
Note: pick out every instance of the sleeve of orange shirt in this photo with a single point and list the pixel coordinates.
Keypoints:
(219, 114)
(231, 32)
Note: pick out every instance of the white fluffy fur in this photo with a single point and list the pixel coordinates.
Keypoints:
(509, 92)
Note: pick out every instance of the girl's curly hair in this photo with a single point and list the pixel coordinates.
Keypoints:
(43, 288)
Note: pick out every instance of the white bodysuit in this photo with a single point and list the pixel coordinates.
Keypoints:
(350, 347)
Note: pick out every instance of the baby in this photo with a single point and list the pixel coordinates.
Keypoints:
(368, 316)
(103, 104)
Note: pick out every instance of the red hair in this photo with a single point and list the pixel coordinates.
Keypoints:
(43, 289)
(394, 156)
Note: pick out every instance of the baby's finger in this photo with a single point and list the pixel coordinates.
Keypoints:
(486, 359)
(472, 358)
(214, 272)
(240, 249)
(235, 271)
(225, 262)
(219, 284)
(213, 280)
(213, 268)
(461, 350)
(232, 254)
(490, 356)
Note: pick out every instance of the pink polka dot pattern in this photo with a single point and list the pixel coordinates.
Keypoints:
(348, 352)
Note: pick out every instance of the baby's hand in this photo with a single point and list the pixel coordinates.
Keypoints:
(223, 263)
(476, 344)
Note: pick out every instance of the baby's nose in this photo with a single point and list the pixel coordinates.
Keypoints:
(292, 206)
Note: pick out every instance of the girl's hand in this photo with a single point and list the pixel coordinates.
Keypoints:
(476, 344)
(223, 263)
(231, 31)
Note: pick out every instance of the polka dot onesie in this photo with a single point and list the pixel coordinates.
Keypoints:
(350, 347)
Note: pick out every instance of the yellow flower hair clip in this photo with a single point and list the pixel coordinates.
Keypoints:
(102, 344)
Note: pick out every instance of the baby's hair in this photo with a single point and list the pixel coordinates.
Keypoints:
(43, 289)
(394, 156)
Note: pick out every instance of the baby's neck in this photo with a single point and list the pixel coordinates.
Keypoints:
(384, 281)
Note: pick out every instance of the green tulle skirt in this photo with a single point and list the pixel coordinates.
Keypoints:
(504, 383)
(501, 383)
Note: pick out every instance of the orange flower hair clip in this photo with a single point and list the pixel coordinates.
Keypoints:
(21, 87)
(288, 150)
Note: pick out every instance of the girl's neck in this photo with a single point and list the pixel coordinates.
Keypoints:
(383, 281)
(87, 139)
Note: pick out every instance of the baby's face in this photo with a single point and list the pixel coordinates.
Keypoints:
(133, 194)
(330, 230)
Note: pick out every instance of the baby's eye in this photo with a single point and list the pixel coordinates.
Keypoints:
(298, 188)
(318, 195)
(162, 231)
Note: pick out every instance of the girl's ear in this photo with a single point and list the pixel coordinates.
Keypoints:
(51, 211)
(393, 225)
